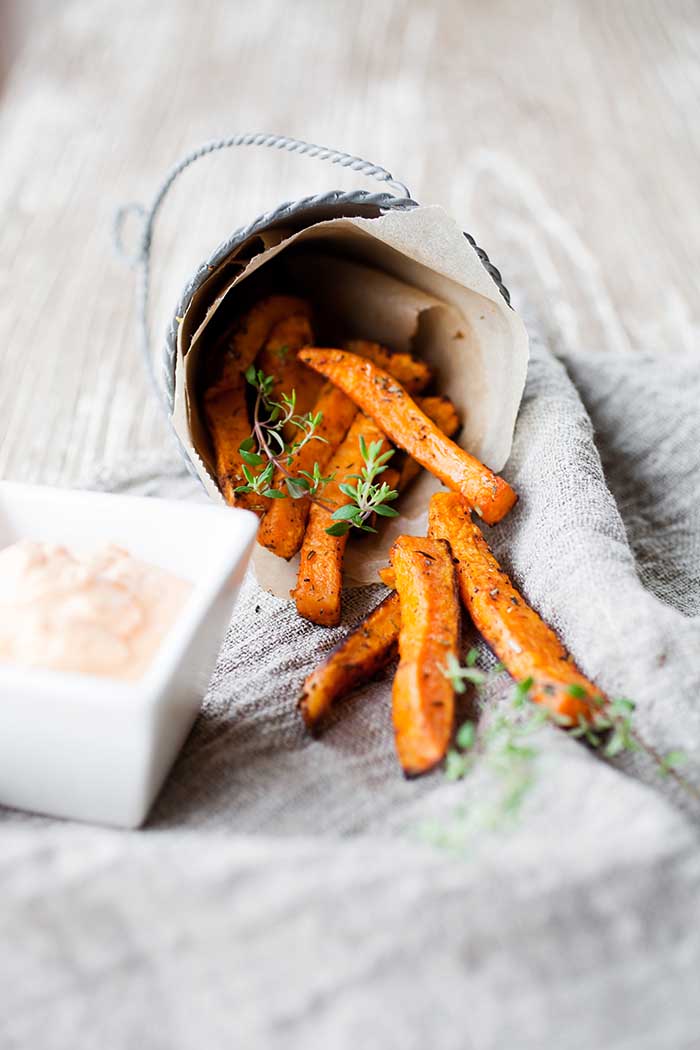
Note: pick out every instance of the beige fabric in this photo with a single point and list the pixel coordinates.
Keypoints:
(279, 896)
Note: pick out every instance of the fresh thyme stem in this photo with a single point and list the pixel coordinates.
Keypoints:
(666, 768)
(267, 448)
(502, 743)
(367, 497)
(263, 447)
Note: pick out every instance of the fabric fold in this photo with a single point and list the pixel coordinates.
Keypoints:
(280, 895)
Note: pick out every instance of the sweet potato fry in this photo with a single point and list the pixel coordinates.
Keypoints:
(411, 372)
(388, 577)
(422, 696)
(242, 343)
(278, 358)
(319, 584)
(383, 399)
(357, 659)
(320, 579)
(227, 419)
(444, 415)
(224, 402)
(520, 638)
(282, 531)
(282, 528)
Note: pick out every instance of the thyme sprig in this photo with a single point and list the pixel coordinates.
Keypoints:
(505, 742)
(366, 496)
(267, 448)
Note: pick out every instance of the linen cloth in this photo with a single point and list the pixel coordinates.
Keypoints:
(281, 895)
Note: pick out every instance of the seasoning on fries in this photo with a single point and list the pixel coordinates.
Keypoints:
(369, 647)
(380, 396)
(422, 696)
(523, 642)
(320, 578)
(333, 416)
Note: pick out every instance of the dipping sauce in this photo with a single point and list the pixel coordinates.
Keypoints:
(102, 614)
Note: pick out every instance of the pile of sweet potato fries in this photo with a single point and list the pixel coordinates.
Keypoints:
(360, 395)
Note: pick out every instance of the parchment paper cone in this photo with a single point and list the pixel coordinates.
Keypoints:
(408, 279)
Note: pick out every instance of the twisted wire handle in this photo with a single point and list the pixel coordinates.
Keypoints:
(141, 258)
(281, 142)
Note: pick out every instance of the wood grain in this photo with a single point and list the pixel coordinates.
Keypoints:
(564, 137)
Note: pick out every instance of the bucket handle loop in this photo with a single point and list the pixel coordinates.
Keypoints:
(139, 258)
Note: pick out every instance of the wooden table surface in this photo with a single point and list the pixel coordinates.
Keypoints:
(564, 136)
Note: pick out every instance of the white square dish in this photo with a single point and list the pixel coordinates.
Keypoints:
(94, 748)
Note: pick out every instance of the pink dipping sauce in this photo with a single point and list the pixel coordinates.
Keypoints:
(103, 614)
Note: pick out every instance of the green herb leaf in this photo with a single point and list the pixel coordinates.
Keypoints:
(622, 707)
(672, 760)
(614, 746)
(347, 512)
(466, 735)
(297, 488)
(455, 766)
(251, 458)
(339, 529)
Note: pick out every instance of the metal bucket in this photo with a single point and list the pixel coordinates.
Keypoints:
(290, 214)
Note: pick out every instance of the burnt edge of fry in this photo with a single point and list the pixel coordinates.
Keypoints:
(315, 728)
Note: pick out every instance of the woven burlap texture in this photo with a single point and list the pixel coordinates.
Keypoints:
(280, 895)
